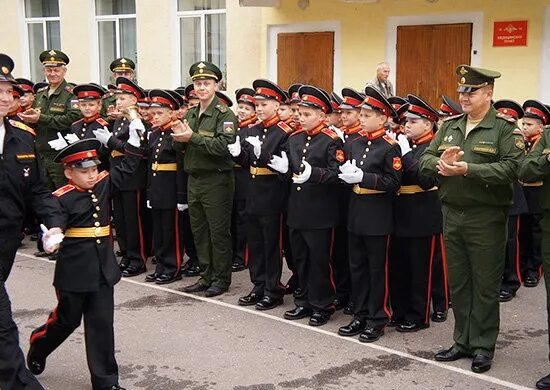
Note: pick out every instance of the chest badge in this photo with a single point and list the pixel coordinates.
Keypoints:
(26, 172)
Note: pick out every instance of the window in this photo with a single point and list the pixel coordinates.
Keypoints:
(42, 25)
(202, 35)
(116, 33)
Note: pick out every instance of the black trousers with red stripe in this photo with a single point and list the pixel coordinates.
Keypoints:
(129, 226)
(312, 249)
(511, 278)
(530, 238)
(97, 308)
(265, 254)
(166, 240)
(368, 259)
(340, 262)
(411, 260)
(239, 228)
(13, 373)
(440, 284)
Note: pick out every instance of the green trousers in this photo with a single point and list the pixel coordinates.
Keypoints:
(475, 241)
(545, 226)
(54, 171)
(210, 202)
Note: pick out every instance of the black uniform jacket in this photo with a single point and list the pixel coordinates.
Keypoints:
(314, 204)
(162, 189)
(266, 193)
(83, 263)
(379, 156)
(22, 182)
(242, 175)
(417, 213)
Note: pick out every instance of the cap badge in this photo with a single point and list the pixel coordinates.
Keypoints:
(5, 70)
(462, 80)
(52, 52)
(463, 71)
(89, 154)
(123, 61)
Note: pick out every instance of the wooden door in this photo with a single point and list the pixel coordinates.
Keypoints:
(427, 57)
(305, 58)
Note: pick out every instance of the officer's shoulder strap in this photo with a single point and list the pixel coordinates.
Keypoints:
(42, 89)
(102, 175)
(63, 190)
(507, 118)
(390, 140)
(22, 126)
(102, 122)
(330, 133)
(221, 108)
(297, 132)
(452, 117)
(69, 89)
(78, 121)
(283, 126)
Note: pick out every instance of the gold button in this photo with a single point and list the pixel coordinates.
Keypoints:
(96, 224)
(368, 143)
(307, 143)
(367, 149)
(304, 150)
(94, 215)
(263, 136)
(154, 174)
(253, 176)
(97, 208)
(414, 146)
(361, 163)
(301, 165)
(156, 156)
(90, 191)
(98, 241)
(94, 200)
(298, 188)
(303, 159)
(364, 155)
(265, 130)
(309, 138)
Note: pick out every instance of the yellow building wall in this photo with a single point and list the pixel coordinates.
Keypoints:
(364, 35)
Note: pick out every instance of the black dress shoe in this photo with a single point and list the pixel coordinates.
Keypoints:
(133, 270)
(543, 383)
(214, 291)
(268, 303)
(439, 316)
(115, 387)
(193, 270)
(370, 335)
(291, 285)
(36, 365)
(340, 303)
(354, 328)
(450, 355)
(319, 318)
(41, 254)
(196, 287)
(395, 322)
(481, 363)
(52, 257)
(168, 278)
(152, 277)
(410, 326)
(298, 313)
(531, 281)
(348, 310)
(124, 263)
(506, 296)
(250, 299)
(236, 267)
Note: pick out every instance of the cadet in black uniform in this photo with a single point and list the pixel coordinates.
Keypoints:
(314, 155)
(21, 185)
(127, 203)
(418, 223)
(86, 270)
(511, 278)
(536, 117)
(265, 196)
(375, 173)
(246, 113)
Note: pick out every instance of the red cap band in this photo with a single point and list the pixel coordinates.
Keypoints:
(509, 111)
(163, 101)
(269, 92)
(318, 102)
(130, 89)
(370, 101)
(351, 101)
(244, 98)
(537, 112)
(423, 112)
(85, 155)
(86, 94)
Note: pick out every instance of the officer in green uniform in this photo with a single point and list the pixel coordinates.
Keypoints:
(53, 111)
(475, 155)
(121, 67)
(536, 167)
(203, 138)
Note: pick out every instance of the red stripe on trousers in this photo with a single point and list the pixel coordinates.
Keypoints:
(140, 229)
(429, 292)
(178, 253)
(386, 284)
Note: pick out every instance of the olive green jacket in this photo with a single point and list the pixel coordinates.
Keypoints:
(535, 167)
(57, 114)
(207, 151)
(492, 150)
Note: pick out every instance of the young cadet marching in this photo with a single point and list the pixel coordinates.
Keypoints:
(511, 278)
(86, 270)
(265, 198)
(374, 170)
(351, 126)
(537, 116)
(536, 167)
(418, 223)
(162, 187)
(314, 155)
(246, 113)
(127, 203)
(475, 156)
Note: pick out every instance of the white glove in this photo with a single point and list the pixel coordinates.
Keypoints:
(59, 143)
(348, 166)
(235, 147)
(304, 176)
(403, 144)
(50, 241)
(102, 135)
(72, 138)
(182, 207)
(353, 176)
(149, 204)
(391, 134)
(279, 164)
(338, 131)
(256, 143)
(135, 129)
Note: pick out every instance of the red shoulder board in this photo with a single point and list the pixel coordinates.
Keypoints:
(390, 140)
(363, 133)
(63, 190)
(286, 128)
(22, 126)
(102, 175)
(102, 122)
(297, 132)
(80, 120)
(330, 133)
